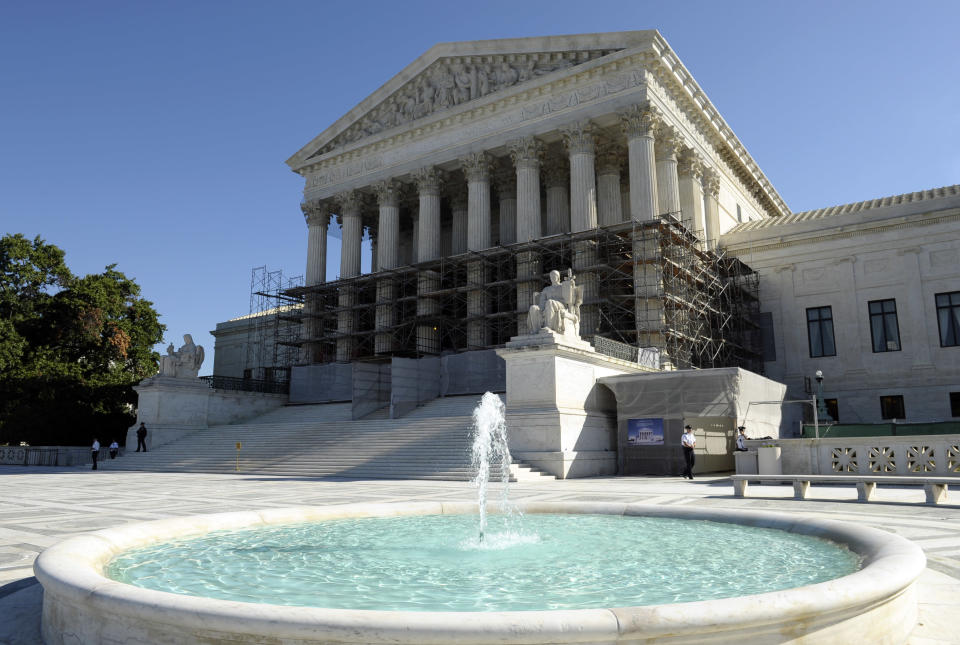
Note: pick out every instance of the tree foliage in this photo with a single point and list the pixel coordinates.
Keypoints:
(71, 348)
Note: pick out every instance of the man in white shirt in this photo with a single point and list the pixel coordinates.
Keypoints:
(95, 452)
(689, 443)
(742, 438)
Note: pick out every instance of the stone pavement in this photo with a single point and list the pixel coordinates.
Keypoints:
(41, 506)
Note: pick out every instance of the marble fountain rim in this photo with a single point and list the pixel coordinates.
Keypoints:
(75, 589)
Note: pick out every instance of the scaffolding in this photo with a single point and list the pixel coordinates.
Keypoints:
(273, 326)
(646, 284)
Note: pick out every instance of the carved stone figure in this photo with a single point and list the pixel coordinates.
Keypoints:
(557, 307)
(183, 363)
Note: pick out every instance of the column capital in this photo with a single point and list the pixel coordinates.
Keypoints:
(557, 172)
(388, 192)
(690, 164)
(609, 158)
(526, 152)
(476, 166)
(316, 213)
(669, 143)
(640, 121)
(351, 202)
(711, 182)
(579, 137)
(428, 180)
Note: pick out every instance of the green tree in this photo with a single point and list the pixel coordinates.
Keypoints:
(70, 348)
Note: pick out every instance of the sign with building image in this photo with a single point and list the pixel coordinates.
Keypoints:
(645, 432)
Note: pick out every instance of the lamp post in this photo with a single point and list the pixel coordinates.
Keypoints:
(821, 404)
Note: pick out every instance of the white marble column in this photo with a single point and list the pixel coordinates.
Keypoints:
(476, 168)
(579, 140)
(428, 248)
(506, 181)
(372, 234)
(609, 208)
(388, 229)
(415, 235)
(428, 238)
(668, 144)
(639, 124)
(711, 207)
(350, 204)
(388, 225)
(352, 233)
(557, 181)
(317, 216)
(690, 174)
(526, 154)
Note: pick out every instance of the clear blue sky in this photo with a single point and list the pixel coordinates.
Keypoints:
(153, 134)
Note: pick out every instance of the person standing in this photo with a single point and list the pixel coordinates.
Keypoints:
(95, 452)
(114, 449)
(689, 443)
(142, 437)
(742, 438)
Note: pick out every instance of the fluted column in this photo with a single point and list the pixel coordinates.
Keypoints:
(526, 157)
(350, 203)
(476, 168)
(557, 180)
(388, 197)
(352, 233)
(690, 172)
(711, 207)
(459, 218)
(372, 234)
(609, 209)
(415, 235)
(428, 248)
(639, 124)
(579, 141)
(506, 181)
(317, 216)
(668, 187)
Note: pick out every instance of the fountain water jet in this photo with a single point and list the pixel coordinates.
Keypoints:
(489, 447)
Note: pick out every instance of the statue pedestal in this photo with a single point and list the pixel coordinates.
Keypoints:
(173, 407)
(559, 419)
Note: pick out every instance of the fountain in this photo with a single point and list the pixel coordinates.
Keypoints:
(489, 447)
(129, 584)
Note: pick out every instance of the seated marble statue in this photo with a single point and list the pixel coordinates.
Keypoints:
(557, 307)
(183, 363)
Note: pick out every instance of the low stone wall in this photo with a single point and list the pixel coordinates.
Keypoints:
(934, 455)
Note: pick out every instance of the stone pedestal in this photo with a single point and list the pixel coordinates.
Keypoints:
(558, 419)
(174, 407)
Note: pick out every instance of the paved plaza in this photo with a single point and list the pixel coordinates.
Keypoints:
(42, 506)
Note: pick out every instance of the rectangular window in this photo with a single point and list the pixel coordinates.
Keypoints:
(820, 332)
(948, 318)
(884, 329)
(891, 407)
(955, 404)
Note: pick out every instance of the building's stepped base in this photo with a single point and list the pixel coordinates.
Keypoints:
(431, 442)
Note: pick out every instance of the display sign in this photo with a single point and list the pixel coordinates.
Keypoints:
(645, 432)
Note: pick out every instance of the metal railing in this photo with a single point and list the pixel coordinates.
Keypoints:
(246, 384)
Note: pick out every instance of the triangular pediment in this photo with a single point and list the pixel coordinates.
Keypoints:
(453, 74)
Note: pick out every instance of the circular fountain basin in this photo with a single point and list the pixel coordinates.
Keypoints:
(874, 604)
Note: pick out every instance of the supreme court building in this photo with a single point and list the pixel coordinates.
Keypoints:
(484, 165)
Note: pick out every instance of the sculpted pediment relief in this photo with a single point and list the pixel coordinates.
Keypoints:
(453, 81)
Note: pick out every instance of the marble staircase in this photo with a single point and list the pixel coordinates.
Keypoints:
(431, 442)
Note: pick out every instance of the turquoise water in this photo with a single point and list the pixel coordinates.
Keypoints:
(436, 563)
